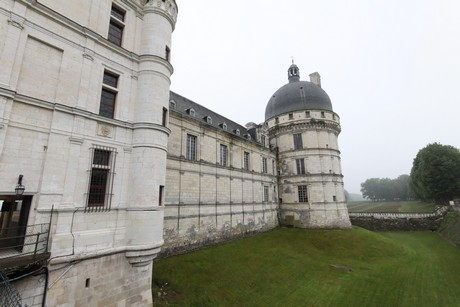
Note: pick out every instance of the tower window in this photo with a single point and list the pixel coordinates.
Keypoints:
(300, 164)
(263, 140)
(167, 53)
(291, 116)
(161, 195)
(116, 25)
(298, 141)
(307, 114)
(265, 194)
(323, 115)
(303, 193)
(164, 118)
(277, 121)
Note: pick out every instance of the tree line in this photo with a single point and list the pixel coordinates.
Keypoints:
(434, 177)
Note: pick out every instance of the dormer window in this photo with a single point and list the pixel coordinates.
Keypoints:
(248, 136)
(172, 104)
(223, 126)
(237, 131)
(191, 112)
(208, 119)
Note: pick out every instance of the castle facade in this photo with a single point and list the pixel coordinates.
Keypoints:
(104, 169)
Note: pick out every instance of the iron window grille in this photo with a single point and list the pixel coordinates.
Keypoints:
(101, 178)
(191, 147)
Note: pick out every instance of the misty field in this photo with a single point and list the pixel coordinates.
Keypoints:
(296, 267)
(391, 206)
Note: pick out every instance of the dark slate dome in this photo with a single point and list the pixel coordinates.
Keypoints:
(297, 95)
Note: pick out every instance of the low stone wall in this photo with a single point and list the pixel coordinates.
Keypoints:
(399, 221)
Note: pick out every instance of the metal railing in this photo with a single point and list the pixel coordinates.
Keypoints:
(30, 240)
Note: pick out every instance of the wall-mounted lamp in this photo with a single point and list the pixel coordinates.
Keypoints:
(20, 188)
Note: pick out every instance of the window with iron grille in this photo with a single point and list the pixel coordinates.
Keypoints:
(300, 166)
(191, 147)
(303, 193)
(116, 25)
(101, 178)
(265, 193)
(298, 141)
(223, 155)
(246, 161)
(264, 165)
(108, 94)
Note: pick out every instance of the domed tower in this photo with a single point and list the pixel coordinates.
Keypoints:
(304, 128)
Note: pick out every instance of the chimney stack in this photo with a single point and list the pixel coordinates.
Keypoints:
(315, 78)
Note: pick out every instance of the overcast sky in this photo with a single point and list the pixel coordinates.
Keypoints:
(390, 67)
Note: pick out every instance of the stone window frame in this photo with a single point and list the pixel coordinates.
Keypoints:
(223, 154)
(302, 192)
(264, 165)
(297, 138)
(246, 160)
(101, 178)
(266, 194)
(109, 93)
(116, 25)
(191, 147)
(300, 166)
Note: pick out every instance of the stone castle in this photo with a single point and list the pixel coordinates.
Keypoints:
(103, 168)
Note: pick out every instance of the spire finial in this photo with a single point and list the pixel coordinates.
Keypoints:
(292, 59)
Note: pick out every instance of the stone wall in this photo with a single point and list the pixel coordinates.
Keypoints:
(399, 221)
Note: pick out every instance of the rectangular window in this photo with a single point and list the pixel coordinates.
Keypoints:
(300, 166)
(303, 193)
(116, 25)
(307, 113)
(101, 178)
(298, 141)
(291, 116)
(161, 195)
(263, 140)
(246, 161)
(108, 94)
(264, 165)
(164, 119)
(167, 53)
(323, 115)
(223, 155)
(266, 194)
(273, 167)
(191, 147)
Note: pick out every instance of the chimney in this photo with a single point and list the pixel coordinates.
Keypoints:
(315, 78)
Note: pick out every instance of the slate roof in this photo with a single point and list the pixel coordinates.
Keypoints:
(183, 105)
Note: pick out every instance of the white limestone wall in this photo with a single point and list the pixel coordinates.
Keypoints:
(326, 207)
(53, 57)
(207, 203)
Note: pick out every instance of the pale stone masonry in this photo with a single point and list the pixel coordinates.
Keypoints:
(123, 170)
(84, 86)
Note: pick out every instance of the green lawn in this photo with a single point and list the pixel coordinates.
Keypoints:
(296, 267)
(391, 206)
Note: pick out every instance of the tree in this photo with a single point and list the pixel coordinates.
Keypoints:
(435, 174)
(385, 188)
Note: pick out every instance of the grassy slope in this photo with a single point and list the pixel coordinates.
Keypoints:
(292, 267)
(391, 206)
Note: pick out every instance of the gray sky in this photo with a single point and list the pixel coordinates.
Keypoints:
(390, 67)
